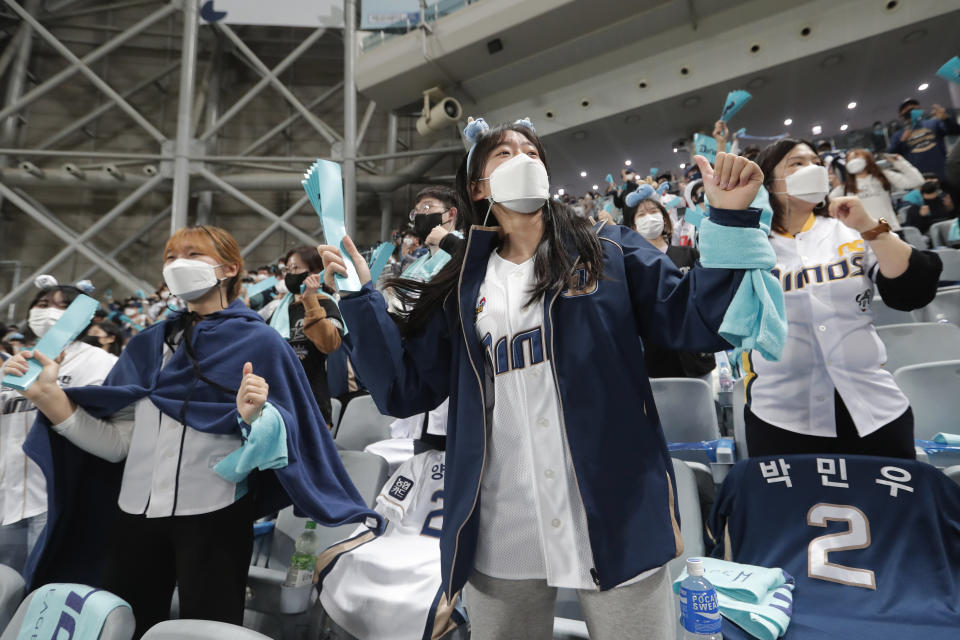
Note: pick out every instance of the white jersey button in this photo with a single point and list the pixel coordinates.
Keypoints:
(548, 473)
(556, 523)
(822, 328)
(543, 422)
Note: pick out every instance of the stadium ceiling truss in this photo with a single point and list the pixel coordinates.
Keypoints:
(183, 162)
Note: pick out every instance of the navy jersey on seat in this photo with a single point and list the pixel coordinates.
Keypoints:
(874, 543)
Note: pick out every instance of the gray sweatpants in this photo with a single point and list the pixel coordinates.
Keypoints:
(523, 609)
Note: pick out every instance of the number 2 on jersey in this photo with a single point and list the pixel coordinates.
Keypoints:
(428, 528)
(857, 536)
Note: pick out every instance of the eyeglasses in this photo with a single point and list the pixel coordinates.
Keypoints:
(424, 209)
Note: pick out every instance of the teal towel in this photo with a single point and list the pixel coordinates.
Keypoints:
(757, 599)
(954, 234)
(947, 438)
(280, 320)
(756, 318)
(77, 610)
(264, 447)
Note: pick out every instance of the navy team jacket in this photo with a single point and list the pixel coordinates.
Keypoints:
(616, 443)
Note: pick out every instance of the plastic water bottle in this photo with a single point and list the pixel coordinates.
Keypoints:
(725, 372)
(699, 611)
(304, 557)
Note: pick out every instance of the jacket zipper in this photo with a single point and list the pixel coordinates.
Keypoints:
(563, 423)
(483, 404)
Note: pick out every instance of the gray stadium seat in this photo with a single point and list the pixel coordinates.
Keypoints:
(361, 424)
(11, 593)
(944, 308)
(919, 342)
(951, 264)
(914, 238)
(686, 408)
(119, 624)
(953, 473)
(882, 314)
(200, 630)
(933, 392)
(939, 232)
(335, 408)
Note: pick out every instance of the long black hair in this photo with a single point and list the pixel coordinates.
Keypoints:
(552, 264)
(769, 158)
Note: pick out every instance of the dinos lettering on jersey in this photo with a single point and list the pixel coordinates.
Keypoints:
(578, 284)
(850, 266)
(512, 354)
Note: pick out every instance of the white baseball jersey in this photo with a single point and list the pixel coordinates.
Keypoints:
(532, 520)
(828, 274)
(23, 490)
(384, 589)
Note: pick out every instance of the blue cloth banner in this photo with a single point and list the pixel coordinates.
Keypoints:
(264, 285)
(379, 260)
(735, 101)
(950, 70)
(324, 187)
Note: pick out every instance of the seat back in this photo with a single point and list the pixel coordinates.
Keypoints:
(335, 409)
(953, 473)
(919, 343)
(913, 237)
(933, 392)
(691, 519)
(11, 593)
(686, 408)
(200, 630)
(939, 233)
(119, 624)
(361, 424)
(951, 264)
(882, 314)
(944, 308)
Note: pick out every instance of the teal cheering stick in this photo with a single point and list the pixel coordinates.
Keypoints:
(70, 325)
(379, 259)
(324, 187)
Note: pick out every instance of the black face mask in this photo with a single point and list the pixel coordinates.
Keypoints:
(293, 281)
(423, 224)
(93, 341)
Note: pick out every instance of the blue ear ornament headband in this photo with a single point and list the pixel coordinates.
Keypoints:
(478, 128)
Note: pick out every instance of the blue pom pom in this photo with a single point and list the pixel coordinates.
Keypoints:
(525, 122)
(644, 192)
(475, 129)
(663, 188)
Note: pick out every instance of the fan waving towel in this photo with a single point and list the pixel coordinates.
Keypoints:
(756, 318)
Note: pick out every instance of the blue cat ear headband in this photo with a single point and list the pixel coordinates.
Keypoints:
(478, 128)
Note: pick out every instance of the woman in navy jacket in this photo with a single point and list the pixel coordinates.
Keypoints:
(587, 287)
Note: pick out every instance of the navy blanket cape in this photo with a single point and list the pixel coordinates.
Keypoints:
(82, 489)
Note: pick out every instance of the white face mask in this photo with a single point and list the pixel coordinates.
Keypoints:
(650, 226)
(520, 184)
(189, 279)
(40, 320)
(856, 165)
(809, 183)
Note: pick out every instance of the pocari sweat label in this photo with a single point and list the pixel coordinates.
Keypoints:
(699, 610)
